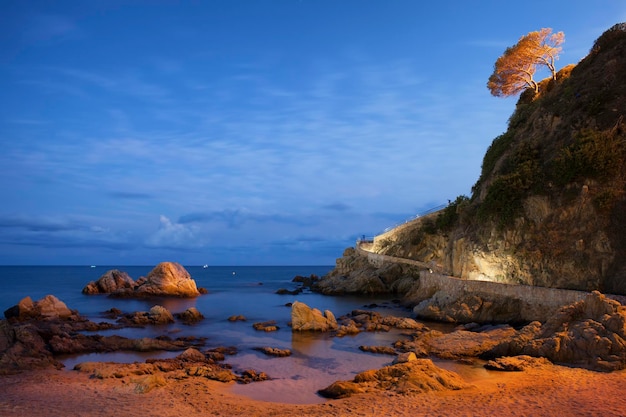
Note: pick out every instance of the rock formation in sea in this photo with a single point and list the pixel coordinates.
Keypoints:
(167, 279)
(48, 308)
(111, 281)
(35, 332)
(305, 318)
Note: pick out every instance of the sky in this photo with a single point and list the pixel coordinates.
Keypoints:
(258, 132)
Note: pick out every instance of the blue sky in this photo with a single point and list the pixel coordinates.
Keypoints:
(248, 132)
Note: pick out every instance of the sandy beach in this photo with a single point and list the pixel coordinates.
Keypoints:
(546, 391)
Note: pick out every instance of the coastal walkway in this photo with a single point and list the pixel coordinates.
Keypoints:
(537, 303)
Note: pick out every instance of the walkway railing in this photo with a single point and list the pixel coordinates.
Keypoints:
(370, 239)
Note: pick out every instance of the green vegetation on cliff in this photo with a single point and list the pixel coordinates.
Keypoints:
(549, 207)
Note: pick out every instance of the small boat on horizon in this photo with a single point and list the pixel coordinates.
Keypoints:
(205, 266)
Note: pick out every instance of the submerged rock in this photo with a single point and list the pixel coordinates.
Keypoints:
(267, 326)
(379, 350)
(156, 315)
(270, 351)
(191, 315)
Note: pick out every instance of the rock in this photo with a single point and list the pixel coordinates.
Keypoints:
(157, 315)
(109, 282)
(270, 351)
(237, 318)
(192, 355)
(468, 308)
(380, 350)
(405, 323)
(267, 326)
(251, 375)
(418, 376)
(305, 318)
(349, 328)
(588, 333)
(188, 364)
(160, 315)
(48, 308)
(147, 383)
(219, 353)
(169, 278)
(191, 315)
(354, 274)
(516, 363)
(112, 313)
(22, 348)
(341, 389)
(284, 291)
(307, 282)
(462, 343)
(166, 279)
(405, 357)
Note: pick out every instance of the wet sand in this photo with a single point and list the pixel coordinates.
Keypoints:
(547, 391)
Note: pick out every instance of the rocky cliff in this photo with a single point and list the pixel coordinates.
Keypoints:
(549, 208)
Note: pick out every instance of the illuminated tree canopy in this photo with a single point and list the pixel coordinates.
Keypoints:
(514, 71)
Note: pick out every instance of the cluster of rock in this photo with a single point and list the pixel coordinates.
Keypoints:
(35, 331)
(155, 316)
(411, 377)
(168, 279)
(158, 372)
(266, 326)
(590, 333)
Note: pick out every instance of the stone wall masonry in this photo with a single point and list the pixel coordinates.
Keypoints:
(378, 260)
(537, 303)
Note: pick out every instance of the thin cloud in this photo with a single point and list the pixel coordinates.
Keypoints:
(340, 207)
(38, 224)
(127, 195)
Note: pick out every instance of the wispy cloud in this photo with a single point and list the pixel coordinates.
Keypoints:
(46, 232)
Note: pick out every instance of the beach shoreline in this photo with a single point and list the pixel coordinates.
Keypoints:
(546, 391)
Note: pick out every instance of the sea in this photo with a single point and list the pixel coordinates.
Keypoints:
(317, 360)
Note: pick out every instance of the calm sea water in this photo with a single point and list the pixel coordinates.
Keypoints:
(317, 358)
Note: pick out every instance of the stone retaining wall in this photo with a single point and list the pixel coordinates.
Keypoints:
(537, 303)
(378, 260)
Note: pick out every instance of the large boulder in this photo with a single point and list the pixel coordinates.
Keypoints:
(305, 318)
(48, 307)
(111, 281)
(166, 279)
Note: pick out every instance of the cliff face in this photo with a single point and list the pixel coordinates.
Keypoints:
(549, 208)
